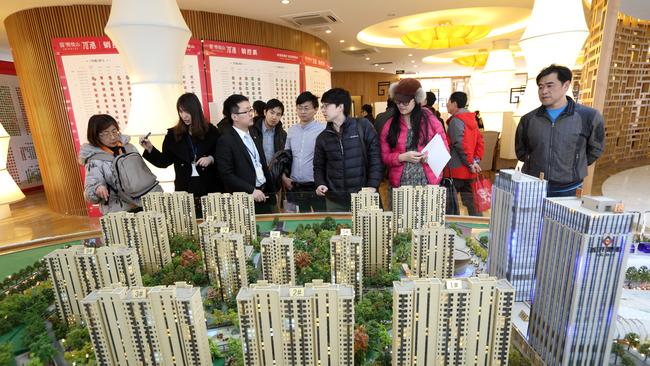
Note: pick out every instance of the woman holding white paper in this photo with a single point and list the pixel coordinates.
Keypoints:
(406, 133)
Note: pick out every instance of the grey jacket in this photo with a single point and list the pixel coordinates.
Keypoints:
(562, 150)
(99, 171)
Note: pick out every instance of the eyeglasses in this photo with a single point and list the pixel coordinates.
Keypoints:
(325, 105)
(404, 103)
(244, 112)
(113, 133)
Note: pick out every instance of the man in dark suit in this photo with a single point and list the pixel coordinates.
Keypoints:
(240, 160)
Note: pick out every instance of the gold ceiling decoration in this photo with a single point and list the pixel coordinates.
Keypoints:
(445, 36)
(476, 60)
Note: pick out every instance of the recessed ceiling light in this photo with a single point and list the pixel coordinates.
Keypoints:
(342, 41)
(410, 55)
(328, 31)
(376, 64)
(285, 2)
(367, 58)
(331, 67)
(381, 68)
(412, 61)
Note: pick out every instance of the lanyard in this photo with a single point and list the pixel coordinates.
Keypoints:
(254, 152)
(193, 148)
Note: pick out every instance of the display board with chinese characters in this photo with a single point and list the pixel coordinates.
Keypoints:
(260, 73)
(318, 79)
(94, 80)
(21, 160)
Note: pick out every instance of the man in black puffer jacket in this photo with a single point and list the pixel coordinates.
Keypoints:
(347, 156)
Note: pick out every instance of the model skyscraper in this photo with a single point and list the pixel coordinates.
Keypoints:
(515, 224)
(362, 200)
(465, 321)
(77, 271)
(346, 261)
(278, 264)
(237, 209)
(432, 251)
(163, 325)
(178, 209)
(225, 260)
(375, 226)
(580, 272)
(144, 231)
(287, 325)
(416, 206)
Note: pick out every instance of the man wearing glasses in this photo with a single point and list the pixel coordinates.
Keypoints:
(301, 140)
(347, 155)
(241, 163)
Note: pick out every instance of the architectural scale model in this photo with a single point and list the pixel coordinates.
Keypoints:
(432, 251)
(416, 206)
(178, 209)
(278, 264)
(346, 261)
(237, 209)
(375, 226)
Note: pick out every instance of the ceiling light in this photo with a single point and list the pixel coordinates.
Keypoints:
(376, 64)
(381, 68)
(285, 2)
(367, 58)
(412, 61)
(445, 36)
(328, 31)
(410, 55)
(342, 41)
(475, 60)
(415, 65)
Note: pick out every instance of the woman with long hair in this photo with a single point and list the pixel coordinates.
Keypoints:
(406, 133)
(105, 144)
(190, 145)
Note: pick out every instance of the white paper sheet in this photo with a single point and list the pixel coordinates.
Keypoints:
(437, 154)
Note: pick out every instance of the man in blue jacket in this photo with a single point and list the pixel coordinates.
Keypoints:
(561, 138)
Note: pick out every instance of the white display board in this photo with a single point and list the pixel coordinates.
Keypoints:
(318, 78)
(94, 80)
(260, 73)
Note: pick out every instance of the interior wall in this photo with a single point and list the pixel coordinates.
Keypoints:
(371, 86)
(30, 33)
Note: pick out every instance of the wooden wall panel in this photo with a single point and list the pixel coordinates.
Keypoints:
(364, 84)
(30, 33)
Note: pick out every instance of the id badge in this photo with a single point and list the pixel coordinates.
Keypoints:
(195, 173)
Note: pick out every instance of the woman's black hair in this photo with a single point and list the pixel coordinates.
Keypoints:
(190, 103)
(417, 122)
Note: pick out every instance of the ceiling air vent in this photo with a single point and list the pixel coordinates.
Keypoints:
(314, 19)
(360, 51)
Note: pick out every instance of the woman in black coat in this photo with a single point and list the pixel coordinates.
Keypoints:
(190, 146)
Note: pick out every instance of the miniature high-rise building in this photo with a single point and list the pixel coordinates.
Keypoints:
(375, 226)
(416, 206)
(346, 261)
(515, 223)
(278, 265)
(208, 228)
(178, 209)
(432, 251)
(465, 321)
(363, 200)
(144, 231)
(163, 325)
(77, 271)
(580, 271)
(226, 261)
(237, 209)
(286, 325)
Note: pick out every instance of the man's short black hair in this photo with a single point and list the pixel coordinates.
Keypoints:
(307, 96)
(431, 99)
(259, 106)
(367, 108)
(390, 104)
(338, 96)
(460, 98)
(274, 103)
(564, 74)
(230, 105)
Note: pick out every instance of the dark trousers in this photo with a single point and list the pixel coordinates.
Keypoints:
(569, 193)
(197, 188)
(464, 187)
(303, 196)
(268, 206)
(559, 190)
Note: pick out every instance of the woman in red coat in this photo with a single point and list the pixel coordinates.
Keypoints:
(406, 133)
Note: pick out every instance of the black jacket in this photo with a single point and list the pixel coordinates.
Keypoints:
(279, 137)
(180, 154)
(339, 160)
(236, 166)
